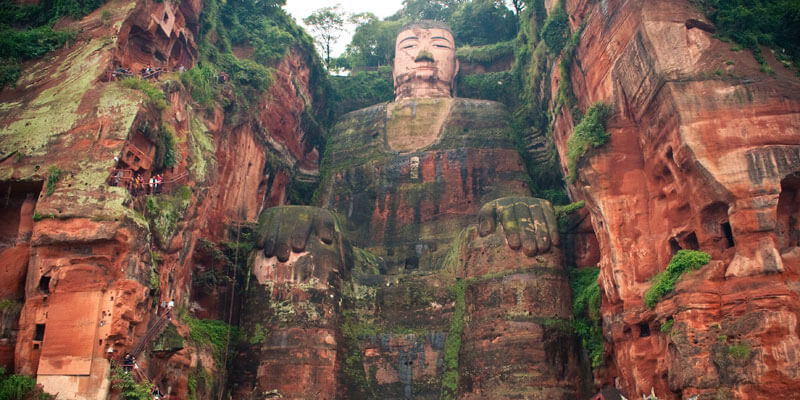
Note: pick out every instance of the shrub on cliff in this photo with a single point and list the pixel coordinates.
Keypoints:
(26, 31)
(486, 55)
(586, 312)
(156, 95)
(452, 344)
(361, 89)
(589, 133)
(19, 387)
(663, 283)
(751, 23)
(129, 389)
(555, 30)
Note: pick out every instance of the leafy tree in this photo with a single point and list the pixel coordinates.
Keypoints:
(759, 22)
(326, 23)
(518, 5)
(373, 41)
(26, 31)
(439, 10)
(480, 22)
(361, 89)
(19, 387)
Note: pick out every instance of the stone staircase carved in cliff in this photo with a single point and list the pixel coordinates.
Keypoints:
(151, 334)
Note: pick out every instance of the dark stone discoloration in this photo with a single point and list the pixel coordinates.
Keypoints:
(773, 162)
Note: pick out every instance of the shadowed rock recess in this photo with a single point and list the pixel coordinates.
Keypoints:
(397, 251)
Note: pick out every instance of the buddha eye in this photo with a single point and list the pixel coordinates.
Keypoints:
(441, 46)
(409, 46)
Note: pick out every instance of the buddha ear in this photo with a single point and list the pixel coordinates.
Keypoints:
(453, 83)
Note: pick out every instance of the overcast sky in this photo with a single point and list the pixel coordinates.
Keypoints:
(300, 9)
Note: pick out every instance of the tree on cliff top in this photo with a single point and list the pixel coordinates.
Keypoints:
(326, 23)
(373, 41)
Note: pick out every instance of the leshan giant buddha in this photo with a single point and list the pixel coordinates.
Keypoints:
(416, 195)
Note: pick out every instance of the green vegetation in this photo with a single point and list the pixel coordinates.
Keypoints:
(200, 81)
(666, 327)
(53, 175)
(37, 216)
(555, 30)
(682, 262)
(480, 22)
(167, 154)
(130, 389)
(496, 86)
(739, 351)
(26, 31)
(259, 335)
(361, 89)
(105, 17)
(164, 212)
(453, 343)
(211, 333)
(327, 23)
(209, 280)
(354, 376)
(199, 382)
(156, 96)
(263, 31)
(773, 23)
(589, 133)
(169, 340)
(486, 55)
(19, 387)
(372, 44)
(586, 312)
(564, 212)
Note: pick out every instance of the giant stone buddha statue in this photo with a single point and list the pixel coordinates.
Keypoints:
(416, 195)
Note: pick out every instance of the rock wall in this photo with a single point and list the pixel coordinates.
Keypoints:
(703, 155)
(88, 262)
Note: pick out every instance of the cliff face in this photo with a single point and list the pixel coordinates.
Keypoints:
(703, 155)
(88, 262)
(411, 280)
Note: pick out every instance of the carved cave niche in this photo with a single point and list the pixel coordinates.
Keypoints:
(180, 54)
(716, 229)
(140, 47)
(17, 203)
(685, 240)
(788, 226)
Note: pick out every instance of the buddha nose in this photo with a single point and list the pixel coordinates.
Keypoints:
(424, 55)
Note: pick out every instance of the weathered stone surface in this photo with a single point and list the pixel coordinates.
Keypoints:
(696, 160)
(89, 237)
(517, 340)
(407, 207)
(291, 312)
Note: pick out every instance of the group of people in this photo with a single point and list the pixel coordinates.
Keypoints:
(150, 72)
(128, 361)
(141, 185)
(121, 73)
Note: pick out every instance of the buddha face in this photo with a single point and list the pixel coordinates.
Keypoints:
(425, 63)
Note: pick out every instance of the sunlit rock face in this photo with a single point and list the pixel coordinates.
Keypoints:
(425, 63)
(703, 155)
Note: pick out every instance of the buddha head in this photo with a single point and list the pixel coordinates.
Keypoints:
(425, 63)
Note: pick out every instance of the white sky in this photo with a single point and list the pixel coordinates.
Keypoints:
(300, 9)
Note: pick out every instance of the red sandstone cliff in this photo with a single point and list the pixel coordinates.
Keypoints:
(704, 154)
(697, 160)
(86, 268)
